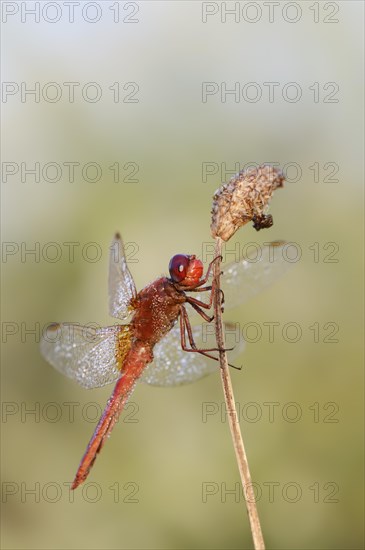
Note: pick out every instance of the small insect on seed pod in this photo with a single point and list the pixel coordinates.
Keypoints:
(243, 199)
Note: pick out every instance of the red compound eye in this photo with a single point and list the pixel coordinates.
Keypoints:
(178, 267)
(186, 270)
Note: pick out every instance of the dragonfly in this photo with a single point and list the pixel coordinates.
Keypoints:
(152, 347)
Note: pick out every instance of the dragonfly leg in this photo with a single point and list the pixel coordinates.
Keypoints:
(197, 302)
(198, 288)
(202, 313)
(210, 267)
(205, 289)
(210, 288)
(193, 348)
(185, 325)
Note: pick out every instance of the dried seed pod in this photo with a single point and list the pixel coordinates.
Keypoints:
(244, 198)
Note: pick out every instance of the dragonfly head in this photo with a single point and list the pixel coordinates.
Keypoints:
(185, 270)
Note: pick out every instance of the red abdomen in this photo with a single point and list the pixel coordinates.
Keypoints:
(134, 364)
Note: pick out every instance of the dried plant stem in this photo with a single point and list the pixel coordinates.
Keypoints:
(239, 448)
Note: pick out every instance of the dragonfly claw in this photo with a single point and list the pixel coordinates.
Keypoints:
(234, 367)
(225, 349)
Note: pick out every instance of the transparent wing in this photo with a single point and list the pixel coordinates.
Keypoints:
(242, 280)
(172, 366)
(85, 354)
(121, 284)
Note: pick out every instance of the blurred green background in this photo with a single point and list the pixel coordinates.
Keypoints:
(149, 487)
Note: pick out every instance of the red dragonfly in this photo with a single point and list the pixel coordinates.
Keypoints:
(147, 348)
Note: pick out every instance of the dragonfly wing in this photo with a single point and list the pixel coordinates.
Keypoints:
(242, 280)
(173, 366)
(85, 354)
(121, 284)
